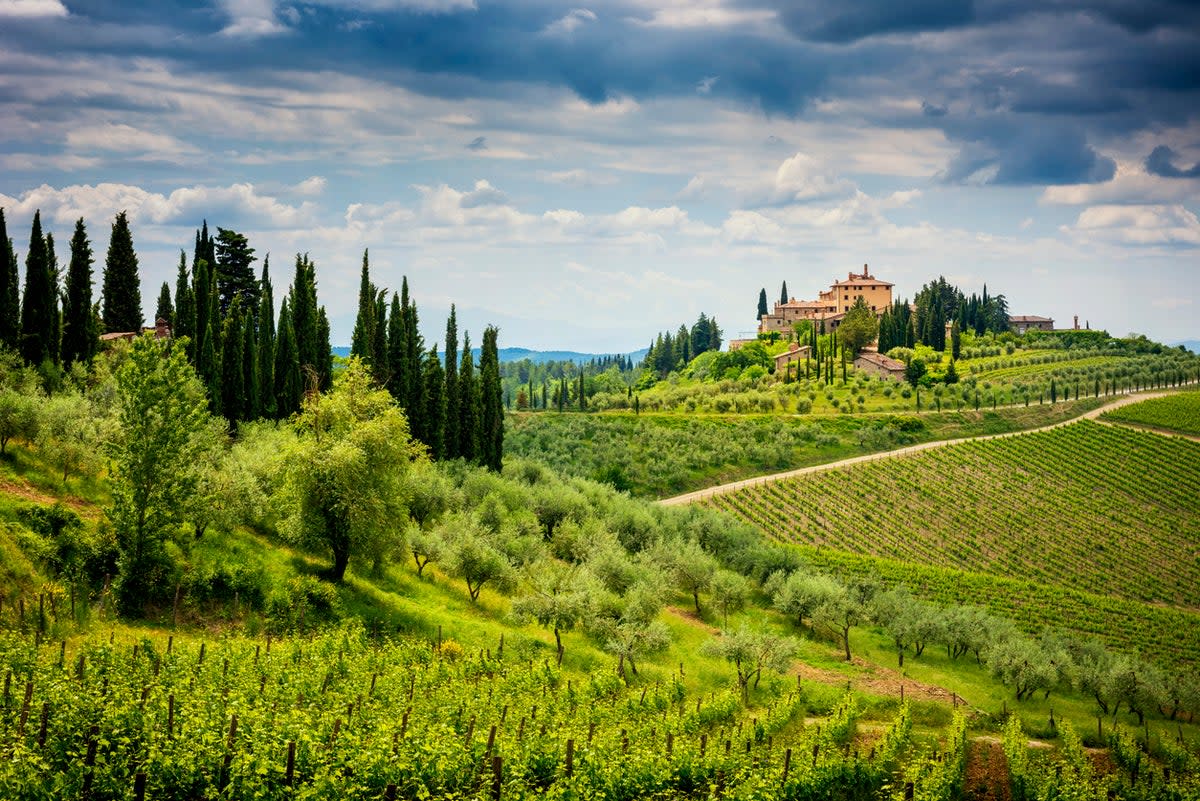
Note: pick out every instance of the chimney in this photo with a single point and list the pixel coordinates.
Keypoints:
(1077, 322)
(161, 329)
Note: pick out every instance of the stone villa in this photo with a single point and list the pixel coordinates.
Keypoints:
(831, 306)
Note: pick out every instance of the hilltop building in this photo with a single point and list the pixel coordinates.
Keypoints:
(830, 306)
(1031, 322)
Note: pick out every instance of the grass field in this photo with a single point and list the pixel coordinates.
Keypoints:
(665, 454)
(1179, 412)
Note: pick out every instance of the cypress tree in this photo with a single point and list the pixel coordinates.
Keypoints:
(303, 304)
(211, 358)
(233, 381)
(469, 435)
(122, 286)
(204, 348)
(324, 352)
(184, 324)
(783, 295)
(397, 352)
(10, 290)
(165, 310)
(37, 302)
(435, 404)
(414, 348)
(379, 339)
(362, 340)
(266, 344)
(452, 400)
(252, 409)
(79, 335)
(55, 326)
(762, 303)
(288, 387)
(491, 411)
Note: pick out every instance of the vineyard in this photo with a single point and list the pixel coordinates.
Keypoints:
(1086, 506)
(1180, 412)
(339, 716)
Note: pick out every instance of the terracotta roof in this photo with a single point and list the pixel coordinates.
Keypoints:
(1029, 318)
(871, 281)
(886, 362)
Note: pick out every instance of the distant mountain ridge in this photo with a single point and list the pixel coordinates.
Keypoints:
(535, 356)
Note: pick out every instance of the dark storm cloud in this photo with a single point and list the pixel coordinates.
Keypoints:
(1025, 88)
(1161, 161)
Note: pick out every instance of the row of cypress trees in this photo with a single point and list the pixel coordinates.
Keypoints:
(456, 413)
(55, 321)
(255, 365)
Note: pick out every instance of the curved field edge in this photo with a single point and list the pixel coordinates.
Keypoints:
(1083, 505)
(665, 454)
(1177, 413)
(1162, 634)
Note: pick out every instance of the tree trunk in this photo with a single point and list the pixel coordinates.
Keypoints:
(696, 598)
(341, 559)
(420, 564)
(621, 669)
(558, 644)
(846, 641)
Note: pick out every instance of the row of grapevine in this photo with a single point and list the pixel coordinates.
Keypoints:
(1179, 412)
(1069, 506)
(338, 716)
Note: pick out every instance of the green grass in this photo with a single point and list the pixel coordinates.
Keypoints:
(658, 455)
(1179, 412)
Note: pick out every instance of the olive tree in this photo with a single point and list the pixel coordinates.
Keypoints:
(751, 652)
(560, 596)
(627, 625)
(343, 477)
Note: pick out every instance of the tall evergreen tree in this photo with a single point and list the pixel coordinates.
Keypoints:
(37, 304)
(783, 294)
(122, 286)
(165, 309)
(288, 387)
(233, 380)
(379, 339)
(469, 435)
(434, 379)
(762, 303)
(397, 382)
(205, 348)
(79, 339)
(235, 276)
(266, 343)
(55, 294)
(414, 348)
(362, 340)
(491, 412)
(303, 305)
(452, 413)
(184, 324)
(324, 351)
(252, 409)
(10, 290)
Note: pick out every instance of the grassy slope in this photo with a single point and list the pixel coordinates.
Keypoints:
(398, 600)
(668, 454)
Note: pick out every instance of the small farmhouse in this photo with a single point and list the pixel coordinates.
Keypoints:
(872, 363)
(1029, 322)
(161, 330)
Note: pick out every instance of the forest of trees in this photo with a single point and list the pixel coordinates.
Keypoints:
(671, 351)
(252, 363)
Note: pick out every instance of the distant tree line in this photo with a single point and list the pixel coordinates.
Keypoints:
(564, 384)
(672, 351)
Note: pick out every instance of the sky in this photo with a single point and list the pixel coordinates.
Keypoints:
(586, 175)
